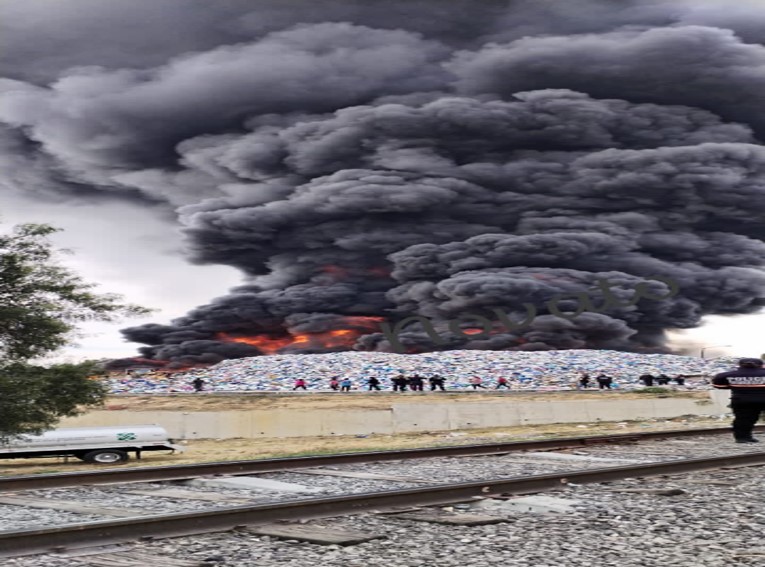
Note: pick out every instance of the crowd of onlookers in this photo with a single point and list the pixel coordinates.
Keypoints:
(436, 382)
(606, 382)
(450, 370)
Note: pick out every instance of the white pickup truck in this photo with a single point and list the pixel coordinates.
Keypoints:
(102, 445)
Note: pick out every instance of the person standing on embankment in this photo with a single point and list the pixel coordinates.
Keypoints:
(747, 398)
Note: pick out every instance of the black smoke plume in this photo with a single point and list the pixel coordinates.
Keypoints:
(361, 162)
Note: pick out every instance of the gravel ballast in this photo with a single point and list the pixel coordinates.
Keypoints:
(716, 521)
(709, 525)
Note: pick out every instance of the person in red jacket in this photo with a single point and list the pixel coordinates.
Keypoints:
(747, 399)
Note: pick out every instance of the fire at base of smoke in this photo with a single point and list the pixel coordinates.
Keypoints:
(585, 304)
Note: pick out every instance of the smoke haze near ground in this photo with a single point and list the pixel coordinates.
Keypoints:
(367, 162)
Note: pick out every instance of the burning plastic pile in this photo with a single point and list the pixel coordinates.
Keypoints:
(550, 370)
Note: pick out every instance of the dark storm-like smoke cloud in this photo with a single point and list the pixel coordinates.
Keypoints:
(409, 158)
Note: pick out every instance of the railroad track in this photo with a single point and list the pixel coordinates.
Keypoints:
(234, 468)
(174, 525)
(427, 492)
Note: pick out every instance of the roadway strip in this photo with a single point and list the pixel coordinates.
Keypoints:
(36, 541)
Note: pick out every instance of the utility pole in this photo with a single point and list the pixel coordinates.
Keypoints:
(703, 350)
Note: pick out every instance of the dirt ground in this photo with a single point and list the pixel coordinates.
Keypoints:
(354, 400)
(207, 450)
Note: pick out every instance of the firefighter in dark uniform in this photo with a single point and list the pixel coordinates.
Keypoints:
(747, 399)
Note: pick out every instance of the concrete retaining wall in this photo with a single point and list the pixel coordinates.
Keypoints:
(400, 418)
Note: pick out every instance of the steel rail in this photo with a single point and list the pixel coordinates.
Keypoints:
(234, 468)
(36, 541)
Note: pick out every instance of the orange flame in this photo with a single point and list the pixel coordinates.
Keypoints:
(326, 339)
(266, 344)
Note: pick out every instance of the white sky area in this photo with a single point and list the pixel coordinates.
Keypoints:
(127, 250)
(134, 252)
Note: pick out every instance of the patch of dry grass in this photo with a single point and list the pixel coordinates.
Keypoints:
(207, 450)
(356, 400)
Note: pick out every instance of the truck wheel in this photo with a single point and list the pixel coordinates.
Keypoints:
(106, 457)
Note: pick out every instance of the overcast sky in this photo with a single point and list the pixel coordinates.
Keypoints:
(127, 250)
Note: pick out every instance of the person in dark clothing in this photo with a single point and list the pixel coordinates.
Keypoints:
(502, 383)
(437, 381)
(399, 383)
(416, 382)
(374, 383)
(662, 379)
(747, 399)
(584, 381)
(647, 379)
(680, 380)
(199, 384)
(604, 382)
